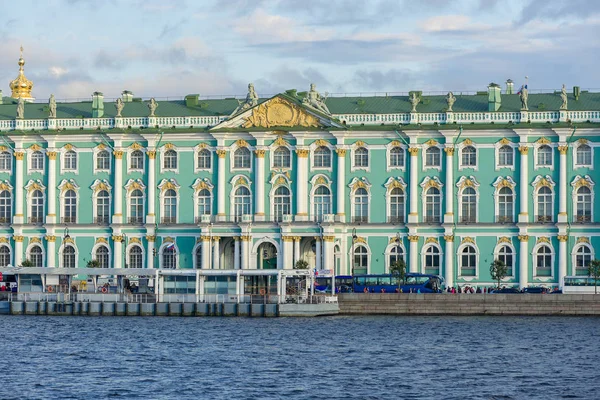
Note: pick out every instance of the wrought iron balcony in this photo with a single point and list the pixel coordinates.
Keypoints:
(584, 218)
(396, 219)
(360, 219)
(431, 219)
(68, 220)
(503, 219)
(102, 220)
(136, 220)
(36, 220)
(168, 220)
(543, 218)
(467, 219)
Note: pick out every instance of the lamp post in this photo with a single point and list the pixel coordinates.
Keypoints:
(65, 237)
(125, 249)
(354, 237)
(397, 246)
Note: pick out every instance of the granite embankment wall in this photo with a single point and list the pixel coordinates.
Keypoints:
(468, 304)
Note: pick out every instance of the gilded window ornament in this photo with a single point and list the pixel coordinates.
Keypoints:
(504, 141)
(467, 142)
(360, 240)
(35, 240)
(431, 142)
(466, 182)
(359, 143)
(169, 146)
(582, 239)
(543, 181)
(136, 146)
(581, 181)
(502, 182)
(68, 147)
(432, 240)
(280, 141)
(101, 240)
(504, 239)
(242, 143)
(467, 240)
(135, 240)
(321, 142)
(543, 239)
(168, 239)
(543, 140)
(35, 147)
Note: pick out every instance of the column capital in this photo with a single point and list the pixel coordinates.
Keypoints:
(205, 238)
(51, 155)
(151, 154)
(287, 238)
(449, 151)
(524, 150)
(19, 155)
(297, 238)
(341, 152)
(329, 238)
(523, 238)
(302, 153)
(118, 154)
(413, 238)
(245, 238)
(18, 238)
(50, 239)
(151, 238)
(216, 238)
(221, 153)
(449, 238)
(117, 238)
(414, 151)
(562, 238)
(563, 149)
(260, 153)
(317, 238)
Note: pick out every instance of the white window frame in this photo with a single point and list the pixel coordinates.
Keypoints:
(536, 149)
(351, 255)
(497, 187)
(63, 161)
(497, 249)
(460, 194)
(576, 148)
(389, 251)
(314, 186)
(95, 249)
(314, 147)
(424, 190)
(61, 250)
(461, 147)
(130, 152)
(31, 245)
(96, 152)
(459, 261)
(197, 151)
(391, 184)
(272, 157)
(424, 257)
(30, 154)
(233, 148)
(497, 147)
(234, 186)
(535, 197)
(10, 162)
(30, 202)
(10, 252)
(534, 261)
(163, 156)
(353, 149)
(388, 153)
(575, 186)
(574, 255)
(424, 159)
(129, 247)
(129, 190)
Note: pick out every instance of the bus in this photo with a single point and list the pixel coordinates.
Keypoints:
(579, 285)
(343, 284)
(383, 283)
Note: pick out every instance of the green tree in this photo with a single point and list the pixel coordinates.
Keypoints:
(93, 264)
(301, 264)
(594, 272)
(26, 263)
(498, 270)
(398, 270)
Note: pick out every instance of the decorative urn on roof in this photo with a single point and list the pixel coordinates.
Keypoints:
(21, 87)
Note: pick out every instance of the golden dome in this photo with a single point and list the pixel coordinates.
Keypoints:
(21, 87)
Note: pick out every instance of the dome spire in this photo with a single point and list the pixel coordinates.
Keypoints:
(21, 87)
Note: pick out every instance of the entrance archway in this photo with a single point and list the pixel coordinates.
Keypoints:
(266, 256)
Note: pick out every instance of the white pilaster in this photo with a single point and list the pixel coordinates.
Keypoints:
(150, 255)
(51, 217)
(221, 187)
(118, 198)
(449, 261)
(288, 256)
(206, 252)
(562, 259)
(245, 245)
(449, 216)
(301, 202)
(296, 249)
(562, 184)
(413, 217)
(151, 213)
(259, 187)
(318, 253)
(18, 217)
(341, 184)
(236, 253)
(328, 253)
(118, 251)
(51, 251)
(523, 196)
(413, 256)
(216, 252)
(523, 261)
(18, 249)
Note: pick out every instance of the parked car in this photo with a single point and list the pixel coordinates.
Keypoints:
(508, 290)
(535, 290)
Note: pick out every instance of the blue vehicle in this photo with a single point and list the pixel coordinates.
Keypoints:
(386, 283)
(343, 284)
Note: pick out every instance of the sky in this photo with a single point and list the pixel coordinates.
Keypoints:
(159, 48)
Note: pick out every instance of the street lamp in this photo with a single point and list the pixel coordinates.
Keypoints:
(66, 233)
(397, 246)
(354, 237)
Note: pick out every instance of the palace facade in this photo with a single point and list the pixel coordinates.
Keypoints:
(448, 183)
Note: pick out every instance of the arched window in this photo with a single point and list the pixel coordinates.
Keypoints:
(361, 260)
(198, 257)
(583, 256)
(433, 205)
(70, 207)
(281, 157)
(544, 156)
(584, 155)
(36, 211)
(203, 202)
(4, 256)
(204, 159)
(583, 204)
(506, 202)
(544, 204)
(433, 157)
(241, 158)
(71, 160)
(135, 257)
(103, 160)
(322, 157)
(282, 203)
(543, 260)
(432, 260)
(396, 254)
(361, 157)
(396, 157)
(468, 258)
(5, 207)
(322, 203)
(170, 159)
(37, 161)
(505, 254)
(468, 205)
(505, 156)
(396, 206)
(241, 202)
(5, 161)
(169, 257)
(68, 257)
(36, 256)
(170, 207)
(469, 156)
(136, 207)
(136, 160)
(102, 256)
(102, 207)
(361, 205)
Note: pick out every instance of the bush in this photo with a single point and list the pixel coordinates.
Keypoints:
(301, 264)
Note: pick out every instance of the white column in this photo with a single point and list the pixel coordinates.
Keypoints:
(523, 261)
(562, 259)
(449, 216)
(51, 251)
(51, 216)
(523, 181)
(328, 253)
(118, 197)
(216, 252)
(221, 186)
(341, 184)
(206, 252)
(562, 184)
(414, 185)
(236, 253)
(288, 255)
(301, 202)
(259, 185)
(245, 245)
(318, 253)
(449, 261)
(413, 256)
(151, 213)
(150, 256)
(296, 249)
(18, 217)
(117, 251)
(18, 249)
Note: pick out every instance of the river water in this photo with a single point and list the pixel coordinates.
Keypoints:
(296, 358)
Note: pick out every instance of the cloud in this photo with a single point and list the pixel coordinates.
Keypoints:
(451, 23)
(558, 10)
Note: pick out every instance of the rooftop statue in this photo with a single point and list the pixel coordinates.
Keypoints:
(119, 105)
(251, 101)
(524, 95)
(52, 107)
(414, 100)
(21, 108)
(564, 98)
(450, 99)
(152, 105)
(315, 100)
